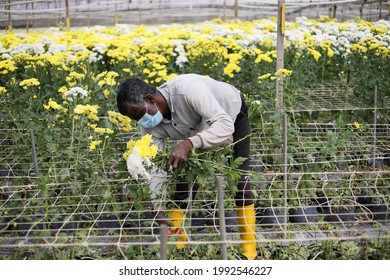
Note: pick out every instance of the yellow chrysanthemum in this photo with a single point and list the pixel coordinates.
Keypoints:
(29, 83)
(356, 125)
(316, 54)
(52, 104)
(284, 72)
(102, 130)
(144, 146)
(89, 110)
(94, 144)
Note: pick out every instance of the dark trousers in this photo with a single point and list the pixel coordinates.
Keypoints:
(241, 148)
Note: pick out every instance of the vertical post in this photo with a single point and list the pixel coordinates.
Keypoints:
(34, 152)
(224, 10)
(163, 241)
(116, 14)
(9, 16)
(375, 120)
(280, 53)
(36, 171)
(333, 13)
(27, 19)
(221, 216)
(67, 15)
(89, 16)
(236, 10)
(285, 172)
(279, 65)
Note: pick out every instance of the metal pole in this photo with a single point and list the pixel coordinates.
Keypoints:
(236, 10)
(36, 171)
(9, 16)
(116, 21)
(375, 120)
(280, 53)
(285, 171)
(163, 241)
(67, 15)
(224, 10)
(27, 19)
(221, 215)
(34, 152)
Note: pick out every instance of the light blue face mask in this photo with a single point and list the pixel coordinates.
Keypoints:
(150, 121)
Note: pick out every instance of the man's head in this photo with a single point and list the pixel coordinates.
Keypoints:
(140, 102)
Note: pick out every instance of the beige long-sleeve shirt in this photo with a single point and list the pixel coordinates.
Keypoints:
(203, 110)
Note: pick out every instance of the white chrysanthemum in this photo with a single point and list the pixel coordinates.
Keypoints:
(33, 49)
(136, 165)
(56, 48)
(6, 56)
(94, 57)
(99, 48)
(180, 52)
(45, 40)
(76, 92)
(139, 40)
(78, 48)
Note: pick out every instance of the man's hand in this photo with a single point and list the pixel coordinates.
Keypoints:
(179, 155)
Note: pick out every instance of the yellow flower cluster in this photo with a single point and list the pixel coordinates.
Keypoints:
(89, 110)
(7, 66)
(94, 144)
(102, 130)
(232, 65)
(283, 72)
(29, 83)
(3, 90)
(268, 56)
(118, 119)
(316, 54)
(73, 77)
(107, 78)
(52, 104)
(144, 146)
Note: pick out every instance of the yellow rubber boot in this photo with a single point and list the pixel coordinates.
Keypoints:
(177, 217)
(246, 221)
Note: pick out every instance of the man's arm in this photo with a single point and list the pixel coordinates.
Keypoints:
(220, 129)
(220, 124)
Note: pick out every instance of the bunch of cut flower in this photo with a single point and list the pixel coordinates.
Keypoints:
(203, 165)
(139, 156)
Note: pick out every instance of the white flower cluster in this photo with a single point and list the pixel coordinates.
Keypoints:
(45, 40)
(78, 48)
(136, 165)
(56, 48)
(98, 51)
(32, 49)
(180, 52)
(76, 92)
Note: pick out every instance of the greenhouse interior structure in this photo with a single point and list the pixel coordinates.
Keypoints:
(75, 172)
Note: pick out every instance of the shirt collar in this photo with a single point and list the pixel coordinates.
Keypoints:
(166, 94)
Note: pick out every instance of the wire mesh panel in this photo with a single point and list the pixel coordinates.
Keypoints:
(333, 189)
